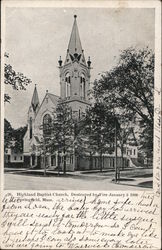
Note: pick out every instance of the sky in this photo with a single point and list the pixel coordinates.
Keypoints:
(36, 37)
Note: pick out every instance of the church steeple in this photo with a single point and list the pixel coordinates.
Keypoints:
(75, 51)
(35, 100)
(75, 73)
(75, 43)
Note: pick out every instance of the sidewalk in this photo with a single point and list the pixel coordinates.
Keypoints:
(140, 182)
(127, 177)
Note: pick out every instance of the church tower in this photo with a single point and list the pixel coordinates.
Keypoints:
(75, 74)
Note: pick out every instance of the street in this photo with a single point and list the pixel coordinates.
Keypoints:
(75, 181)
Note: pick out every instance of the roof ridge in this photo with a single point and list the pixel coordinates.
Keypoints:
(53, 94)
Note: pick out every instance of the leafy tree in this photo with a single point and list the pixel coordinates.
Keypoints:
(15, 79)
(146, 139)
(128, 91)
(44, 148)
(99, 129)
(17, 136)
(59, 136)
(8, 131)
(63, 131)
(125, 135)
(82, 144)
(13, 138)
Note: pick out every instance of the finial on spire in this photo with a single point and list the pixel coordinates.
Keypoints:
(46, 90)
(60, 62)
(89, 62)
(75, 43)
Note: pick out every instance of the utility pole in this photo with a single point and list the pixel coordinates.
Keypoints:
(116, 174)
(74, 145)
(64, 157)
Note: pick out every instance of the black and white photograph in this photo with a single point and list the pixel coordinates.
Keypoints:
(79, 98)
(80, 124)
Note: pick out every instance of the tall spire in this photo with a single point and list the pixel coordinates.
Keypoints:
(75, 43)
(74, 51)
(35, 99)
(75, 74)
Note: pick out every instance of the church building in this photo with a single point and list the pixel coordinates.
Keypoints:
(74, 86)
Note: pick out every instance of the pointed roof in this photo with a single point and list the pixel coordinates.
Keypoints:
(75, 48)
(75, 43)
(35, 99)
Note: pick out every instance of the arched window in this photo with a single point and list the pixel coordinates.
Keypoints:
(47, 120)
(82, 86)
(30, 128)
(67, 85)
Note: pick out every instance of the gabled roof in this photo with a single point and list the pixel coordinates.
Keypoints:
(54, 98)
(35, 99)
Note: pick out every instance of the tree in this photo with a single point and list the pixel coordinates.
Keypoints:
(60, 134)
(44, 148)
(17, 136)
(13, 138)
(15, 79)
(82, 144)
(99, 126)
(83, 138)
(128, 90)
(8, 130)
(125, 136)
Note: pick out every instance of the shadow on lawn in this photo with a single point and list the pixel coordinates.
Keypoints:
(146, 184)
(123, 179)
(142, 176)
